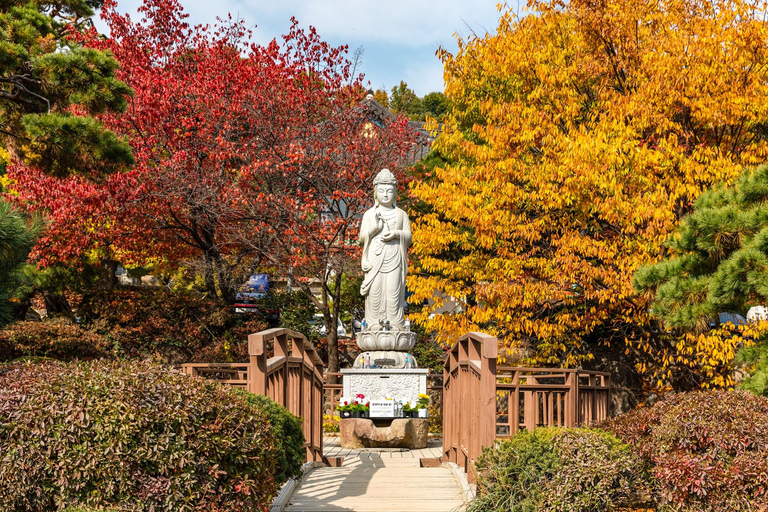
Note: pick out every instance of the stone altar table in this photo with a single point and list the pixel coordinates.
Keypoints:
(359, 433)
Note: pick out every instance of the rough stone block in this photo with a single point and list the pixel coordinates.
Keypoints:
(357, 433)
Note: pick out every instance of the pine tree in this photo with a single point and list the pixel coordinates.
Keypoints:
(50, 84)
(16, 239)
(718, 258)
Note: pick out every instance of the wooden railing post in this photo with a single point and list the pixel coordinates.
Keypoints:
(469, 399)
(293, 377)
(257, 370)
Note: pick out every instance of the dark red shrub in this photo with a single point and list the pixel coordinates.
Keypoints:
(708, 450)
(58, 338)
(171, 327)
(130, 436)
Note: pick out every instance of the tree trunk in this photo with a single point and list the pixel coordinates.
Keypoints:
(56, 303)
(208, 273)
(107, 274)
(333, 354)
(331, 325)
(224, 275)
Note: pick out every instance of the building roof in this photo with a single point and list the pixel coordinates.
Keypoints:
(380, 115)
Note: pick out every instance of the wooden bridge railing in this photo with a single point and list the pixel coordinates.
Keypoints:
(469, 399)
(292, 377)
(534, 397)
(482, 402)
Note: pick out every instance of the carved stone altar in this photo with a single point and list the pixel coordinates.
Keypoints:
(379, 384)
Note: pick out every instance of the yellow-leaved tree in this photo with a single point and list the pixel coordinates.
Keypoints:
(579, 135)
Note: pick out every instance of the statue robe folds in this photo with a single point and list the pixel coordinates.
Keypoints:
(385, 265)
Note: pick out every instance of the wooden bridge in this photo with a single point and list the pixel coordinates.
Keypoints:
(378, 481)
(480, 404)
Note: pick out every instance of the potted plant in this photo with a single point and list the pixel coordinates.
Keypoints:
(422, 404)
(356, 408)
(410, 411)
(344, 409)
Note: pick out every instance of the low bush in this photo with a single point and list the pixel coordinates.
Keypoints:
(331, 424)
(558, 469)
(58, 338)
(169, 327)
(129, 436)
(708, 450)
(288, 433)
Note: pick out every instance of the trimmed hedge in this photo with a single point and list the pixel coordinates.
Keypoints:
(708, 450)
(288, 433)
(129, 436)
(169, 327)
(558, 469)
(137, 323)
(58, 338)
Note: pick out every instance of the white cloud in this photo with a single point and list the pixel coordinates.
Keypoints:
(399, 36)
(401, 22)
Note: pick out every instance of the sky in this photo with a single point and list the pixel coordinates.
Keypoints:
(399, 37)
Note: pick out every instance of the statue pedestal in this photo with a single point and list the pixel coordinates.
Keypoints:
(402, 341)
(380, 383)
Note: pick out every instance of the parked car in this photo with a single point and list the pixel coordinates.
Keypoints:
(734, 318)
(318, 323)
(249, 299)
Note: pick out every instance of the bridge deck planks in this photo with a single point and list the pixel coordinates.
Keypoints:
(378, 482)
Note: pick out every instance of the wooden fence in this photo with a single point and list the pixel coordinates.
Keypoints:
(292, 377)
(482, 402)
(533, 397)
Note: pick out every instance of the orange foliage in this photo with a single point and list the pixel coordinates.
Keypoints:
(579, 135)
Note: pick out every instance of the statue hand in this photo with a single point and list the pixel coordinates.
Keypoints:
(391, 235)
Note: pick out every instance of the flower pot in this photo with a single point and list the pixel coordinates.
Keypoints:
(346, 414)
(422, 413)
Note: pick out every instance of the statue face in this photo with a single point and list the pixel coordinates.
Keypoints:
(386, 194)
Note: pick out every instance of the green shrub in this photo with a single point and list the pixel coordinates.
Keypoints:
(430, 355)
(287, 430)
(131, 436)
(558, 469)
(708, 450)
(58, 338)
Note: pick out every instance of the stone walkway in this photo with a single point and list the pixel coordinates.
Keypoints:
(378, 481)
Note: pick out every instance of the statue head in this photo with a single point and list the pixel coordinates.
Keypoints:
(385, 181)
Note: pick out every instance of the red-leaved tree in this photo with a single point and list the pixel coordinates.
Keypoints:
(248, 157)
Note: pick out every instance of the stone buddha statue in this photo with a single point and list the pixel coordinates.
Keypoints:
(385, 233)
